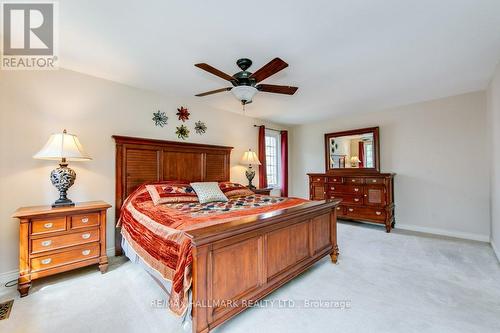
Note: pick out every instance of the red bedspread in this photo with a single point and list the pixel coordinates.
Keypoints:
(157, 233)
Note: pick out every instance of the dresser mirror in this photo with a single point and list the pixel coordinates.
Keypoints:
(353, 151)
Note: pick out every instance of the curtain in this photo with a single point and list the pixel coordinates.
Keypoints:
(284, 163)
(262, 157)
(361, 149)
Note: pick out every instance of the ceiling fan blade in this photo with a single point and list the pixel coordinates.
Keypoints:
(213, 92)
(272, 88)
(271, 68)
(215, 71)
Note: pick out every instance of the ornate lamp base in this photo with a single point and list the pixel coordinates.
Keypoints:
(250, 173)
(63, 178)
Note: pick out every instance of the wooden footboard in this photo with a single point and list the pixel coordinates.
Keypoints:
(241, 262)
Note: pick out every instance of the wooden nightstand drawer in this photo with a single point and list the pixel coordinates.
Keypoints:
(58, 242)
(42, 226)
(66, 257)
(84, 220)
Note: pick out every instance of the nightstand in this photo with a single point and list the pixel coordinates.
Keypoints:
(55, 240)
(263, 191)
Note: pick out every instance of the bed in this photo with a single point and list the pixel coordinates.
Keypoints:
(239, 260)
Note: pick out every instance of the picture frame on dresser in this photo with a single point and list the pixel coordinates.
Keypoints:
(367, 194)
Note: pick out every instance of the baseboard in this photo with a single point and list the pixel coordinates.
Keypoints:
(495, 249)
(441, 232)
(8, 276)
(13, 275)
(110, 252)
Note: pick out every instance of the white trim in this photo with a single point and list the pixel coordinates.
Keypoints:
(456, 234)
(8, 276)
(495, 249)
(110, 251)
(13, 275)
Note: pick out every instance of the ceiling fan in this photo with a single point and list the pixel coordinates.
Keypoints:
(245, 83)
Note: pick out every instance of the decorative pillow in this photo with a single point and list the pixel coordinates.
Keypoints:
(234, 189)
(171, 192)
(208, 192)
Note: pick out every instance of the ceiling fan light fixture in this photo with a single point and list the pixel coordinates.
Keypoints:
(244, 93)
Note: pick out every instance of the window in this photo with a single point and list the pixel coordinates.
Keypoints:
(368, 163)
(273, 158)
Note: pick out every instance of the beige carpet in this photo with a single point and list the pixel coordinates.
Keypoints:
(398, 282)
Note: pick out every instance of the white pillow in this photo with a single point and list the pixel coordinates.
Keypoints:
(208, 192)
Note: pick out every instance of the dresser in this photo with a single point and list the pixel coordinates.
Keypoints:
(367, 198)
(352, 173)
(55, 240)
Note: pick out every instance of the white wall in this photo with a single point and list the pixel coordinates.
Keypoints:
(35, 104)
(438, 150)
(494, 131)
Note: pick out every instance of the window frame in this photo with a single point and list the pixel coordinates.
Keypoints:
(275, 135)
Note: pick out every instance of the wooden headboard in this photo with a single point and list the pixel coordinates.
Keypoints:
(141, 160)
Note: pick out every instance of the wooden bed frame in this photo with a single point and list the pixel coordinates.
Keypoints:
(238, 262)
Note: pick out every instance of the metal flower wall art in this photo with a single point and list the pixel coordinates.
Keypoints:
(160, 118)
(200, 127)
(183, 114)
(182, 132)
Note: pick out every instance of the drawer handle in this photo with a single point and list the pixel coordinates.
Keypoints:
(374, 180)
(351, 209)
(47, 243)
(85, 220)
(353, 180)
(334, 179)
(356, 199)
(48, 225)
(86, 252)
(332, 188)
(356, 189)
(338, 208)
(366, 195)
(86, 236)
(378, 213)
(47, 261)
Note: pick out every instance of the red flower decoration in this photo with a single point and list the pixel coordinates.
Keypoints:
(183, 113)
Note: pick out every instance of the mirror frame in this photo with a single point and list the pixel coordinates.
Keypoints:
(376, 153)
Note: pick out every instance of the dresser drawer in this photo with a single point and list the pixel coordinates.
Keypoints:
(58, 242)
(340, 210)
(317, 179)
(375, 181)
(341, 188)
(336, 180)
(366, 213)
(67, 257)
(354, 180)
(43, 226)
(84, 220)
(346, 198)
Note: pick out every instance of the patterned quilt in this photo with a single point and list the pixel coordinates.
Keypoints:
(157, 233)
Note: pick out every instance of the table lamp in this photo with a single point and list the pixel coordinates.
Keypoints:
(64, 147)
(250, 158)
(355, 161)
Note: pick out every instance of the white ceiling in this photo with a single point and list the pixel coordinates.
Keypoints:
(344, 55)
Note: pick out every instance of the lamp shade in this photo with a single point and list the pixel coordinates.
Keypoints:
(62, 145)
(250, 157)
(244, 93)
(355, 159)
